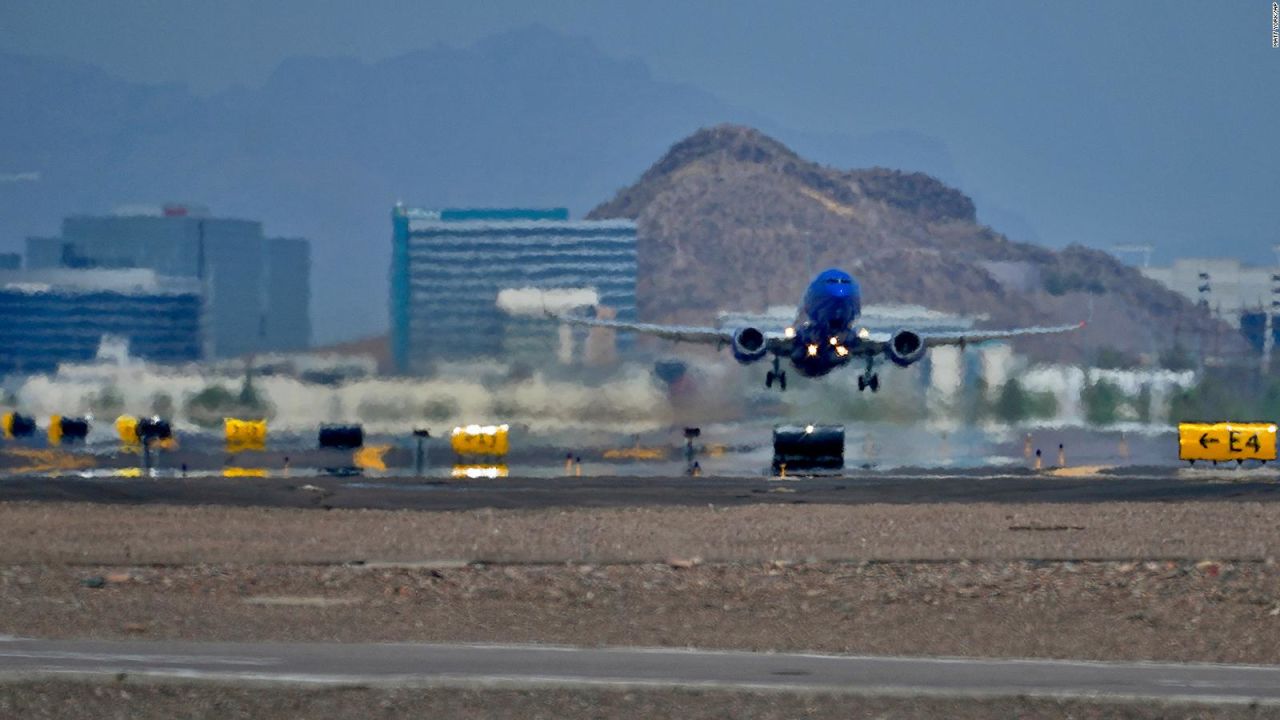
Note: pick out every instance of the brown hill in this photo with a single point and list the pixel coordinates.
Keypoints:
(731, 218)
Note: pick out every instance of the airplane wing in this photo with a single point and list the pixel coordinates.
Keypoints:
(776, 341)
(976, 336)
(966, 337)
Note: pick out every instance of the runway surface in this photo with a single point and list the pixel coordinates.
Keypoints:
(469, 665)
(923, 486)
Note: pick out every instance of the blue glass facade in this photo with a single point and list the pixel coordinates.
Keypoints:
(448, 267)
(40, 328)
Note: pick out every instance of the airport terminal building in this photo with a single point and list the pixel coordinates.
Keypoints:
(449, 266)
(257, 289)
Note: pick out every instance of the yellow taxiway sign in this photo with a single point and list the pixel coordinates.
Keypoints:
(1225, 441)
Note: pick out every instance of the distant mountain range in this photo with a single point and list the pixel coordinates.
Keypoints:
(327, 145)
(730, 217)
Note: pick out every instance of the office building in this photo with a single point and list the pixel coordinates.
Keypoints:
(254, 287)
(448, 267)
(48, 317)
(288, 324)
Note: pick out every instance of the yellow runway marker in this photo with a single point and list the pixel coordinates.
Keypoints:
(370, 457)
(48, 460)
(1224, 441)
(473, 472)
(1078, 471)
(245, 434)
(487, 440)
(127, 429)
(636, 453)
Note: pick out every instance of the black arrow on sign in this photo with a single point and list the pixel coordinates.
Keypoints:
(1205, 440)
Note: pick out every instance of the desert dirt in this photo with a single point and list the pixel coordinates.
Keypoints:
(1222, 612)
(132, 701)
(81, 533)
(1175, 582)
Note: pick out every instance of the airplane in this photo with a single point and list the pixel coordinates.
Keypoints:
(825, 335)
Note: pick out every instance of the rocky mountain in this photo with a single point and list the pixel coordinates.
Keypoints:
(730, 217)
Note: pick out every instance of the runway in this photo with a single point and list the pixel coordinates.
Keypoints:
(853, 487)
(550, 666)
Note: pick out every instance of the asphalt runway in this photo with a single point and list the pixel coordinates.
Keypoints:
(924, 486)
(549, 666)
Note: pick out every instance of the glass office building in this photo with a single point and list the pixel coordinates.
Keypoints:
(61, 316)
(257, 288)
(448, 267)
(288, 275)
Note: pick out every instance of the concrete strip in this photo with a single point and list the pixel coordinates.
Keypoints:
(516, 665)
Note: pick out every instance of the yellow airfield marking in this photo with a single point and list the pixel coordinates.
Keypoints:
(1079, 470)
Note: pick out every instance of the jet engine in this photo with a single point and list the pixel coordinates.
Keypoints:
(748, 345)
(905, 348)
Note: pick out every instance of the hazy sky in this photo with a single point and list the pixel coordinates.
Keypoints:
(1096, 121)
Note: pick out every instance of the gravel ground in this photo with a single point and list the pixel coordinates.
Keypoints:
(1208, 611)
(70, 700)
(159, 534)
(1159, 581)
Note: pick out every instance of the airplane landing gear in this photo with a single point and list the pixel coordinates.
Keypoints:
(869, 379)
(776, 374)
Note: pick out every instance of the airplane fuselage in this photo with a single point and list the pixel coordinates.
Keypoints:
(826, 337)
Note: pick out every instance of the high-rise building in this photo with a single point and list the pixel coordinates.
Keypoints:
(247, 295)
(49, 317)
(288, 294)
(448, 267)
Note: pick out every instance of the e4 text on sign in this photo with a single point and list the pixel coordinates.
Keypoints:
(1224, 441)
